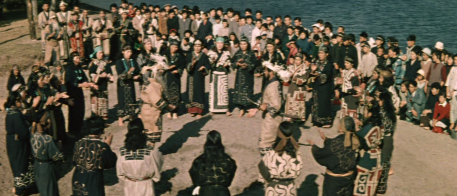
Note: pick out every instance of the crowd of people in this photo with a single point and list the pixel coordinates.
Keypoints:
(305, 74)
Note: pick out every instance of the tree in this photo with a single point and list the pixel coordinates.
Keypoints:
(31, 20)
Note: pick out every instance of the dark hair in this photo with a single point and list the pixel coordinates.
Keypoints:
(406, 83)
(287, 16)
(395, 49)
(213, 149)
(113, 5)
(135, 138)
(95, 125)
(287, 129)
(388, 106)
(125, 48)
(297, 18)
(375, 118)
(341, 27)
(258, 12)
(438, 54)
(11, 100)
(349, 124)
(413, 82)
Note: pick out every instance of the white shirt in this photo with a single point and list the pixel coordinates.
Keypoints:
(256, 32)
(451, 81)
(216, 27)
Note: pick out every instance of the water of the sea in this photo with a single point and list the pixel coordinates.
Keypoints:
(429, 20)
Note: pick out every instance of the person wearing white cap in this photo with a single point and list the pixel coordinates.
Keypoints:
(63, 17)
(439, 46)
(426, 62)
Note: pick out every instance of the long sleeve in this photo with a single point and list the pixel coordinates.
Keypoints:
(53, 152)
(274, 104)
(443, 73)
(437, 110)
(109, 157)
(158, 162)
(20, 126)
(443, 112)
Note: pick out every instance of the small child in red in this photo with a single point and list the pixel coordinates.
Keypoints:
(441, 115)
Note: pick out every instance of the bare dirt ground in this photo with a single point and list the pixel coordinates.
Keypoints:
(424, 162)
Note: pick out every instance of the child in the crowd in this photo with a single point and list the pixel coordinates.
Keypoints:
(421, 81)
(403, 94)
(441, 114)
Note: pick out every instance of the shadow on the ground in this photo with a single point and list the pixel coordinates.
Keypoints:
(164, 186)
(176, 141)
(309, 187)
(256, 188)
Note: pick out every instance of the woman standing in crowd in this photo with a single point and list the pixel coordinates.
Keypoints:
(75, 81)
(101, 75)
(244, 62)
(172, 77)
(219, 58)
(139, 165)
(413, 65)
(213, 162)
(128, 71)
(280, 178)
(350, 91)
(339, 156)
(322, 89)
(198, 67)
(15, 78)
(299, 93)
(18, 146)
(369, 167)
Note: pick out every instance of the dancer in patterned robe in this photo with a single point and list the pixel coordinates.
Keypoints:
(172, 76)
(18, 146)
(101, 75)
(91, 157)
(154, 102)
(271, 107)
(339, 156)
(389, 124)
(220, 68)
(139, 165)
(197, 68)
(244, 62)
(75, 34)
(298, 92)
(46, 154)
(213, 171)
(102, 31)
(128, 71)
(281, 166)
(349, 81)
(369, 167)
(322, 90)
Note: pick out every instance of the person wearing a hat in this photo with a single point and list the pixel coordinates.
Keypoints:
(349, 89)
(411, 44)
(54, 33)
(172, 76)
(92, 155)
(413, 65)
(368, 62)
(219, 58)
(167, 7)
(75, 27)
(347, 50)
(101, 75)
(244, 62)
(322, 70)
(299, 94)
(172, 21)
(380, 42)
(197, 67)
(43, 21)
(420, 79)
(439, 46)
(63, 18)
(316, 31)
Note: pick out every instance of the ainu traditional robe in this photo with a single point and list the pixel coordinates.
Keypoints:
(102, 31)
(387, 148)
(218, 93)
(213, 179)
(297, 95)
(46, 153)
(341, 163)
(19, 151)
(280, 171)
(125, 86)
(369, 164)
(139, 170)
(91, 157)
(322, 94)
(244, 82)
(151, 109)
(350, 81)
(272, 96)
(124, 30)
(75, 34)
(196, 82)
(99, 67)
(173, 81)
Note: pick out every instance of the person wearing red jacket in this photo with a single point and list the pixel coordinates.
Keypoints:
(441, 115)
